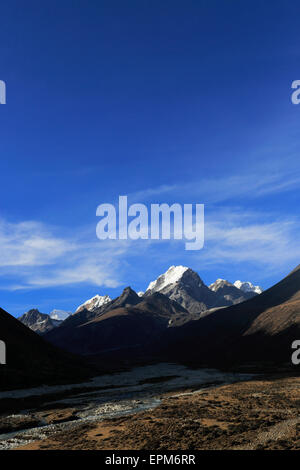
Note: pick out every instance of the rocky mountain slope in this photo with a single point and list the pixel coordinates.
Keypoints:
(39, 322)
(185, 286)
(230, 292)
(94, 303)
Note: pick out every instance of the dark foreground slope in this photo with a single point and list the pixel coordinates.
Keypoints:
(33, 361)
(258, 330)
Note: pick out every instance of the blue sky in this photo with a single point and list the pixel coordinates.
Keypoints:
(163, 101)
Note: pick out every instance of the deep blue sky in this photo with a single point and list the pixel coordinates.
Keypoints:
(166, 101)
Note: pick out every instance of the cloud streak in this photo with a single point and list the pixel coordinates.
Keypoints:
(252, 184)
(36, 257)
(246, 238)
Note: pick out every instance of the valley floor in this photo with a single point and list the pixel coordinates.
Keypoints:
(257, 414)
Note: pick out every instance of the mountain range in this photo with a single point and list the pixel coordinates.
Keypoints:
(178, 283)
(133, 320)
(230, 292)
(185, 286)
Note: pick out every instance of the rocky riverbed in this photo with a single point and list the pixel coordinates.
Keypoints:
(251, 415)
(35, 415)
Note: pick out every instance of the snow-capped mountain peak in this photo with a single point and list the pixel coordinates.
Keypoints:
(248, 287)
(171, 276)
(39, 322)
(95, 302)
(219, 283)
(59, 314)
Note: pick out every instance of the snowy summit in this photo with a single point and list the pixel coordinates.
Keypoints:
(248, 287)
(59, 314)
(173, 275)
(94, 303)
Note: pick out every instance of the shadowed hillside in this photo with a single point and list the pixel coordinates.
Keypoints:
(120, 326)
(260, 329)
(32, 361)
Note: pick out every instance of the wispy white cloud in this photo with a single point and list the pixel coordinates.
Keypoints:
(86, 271)
(34, 257)
(235, 236)
(267, 179)
(30, 244)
